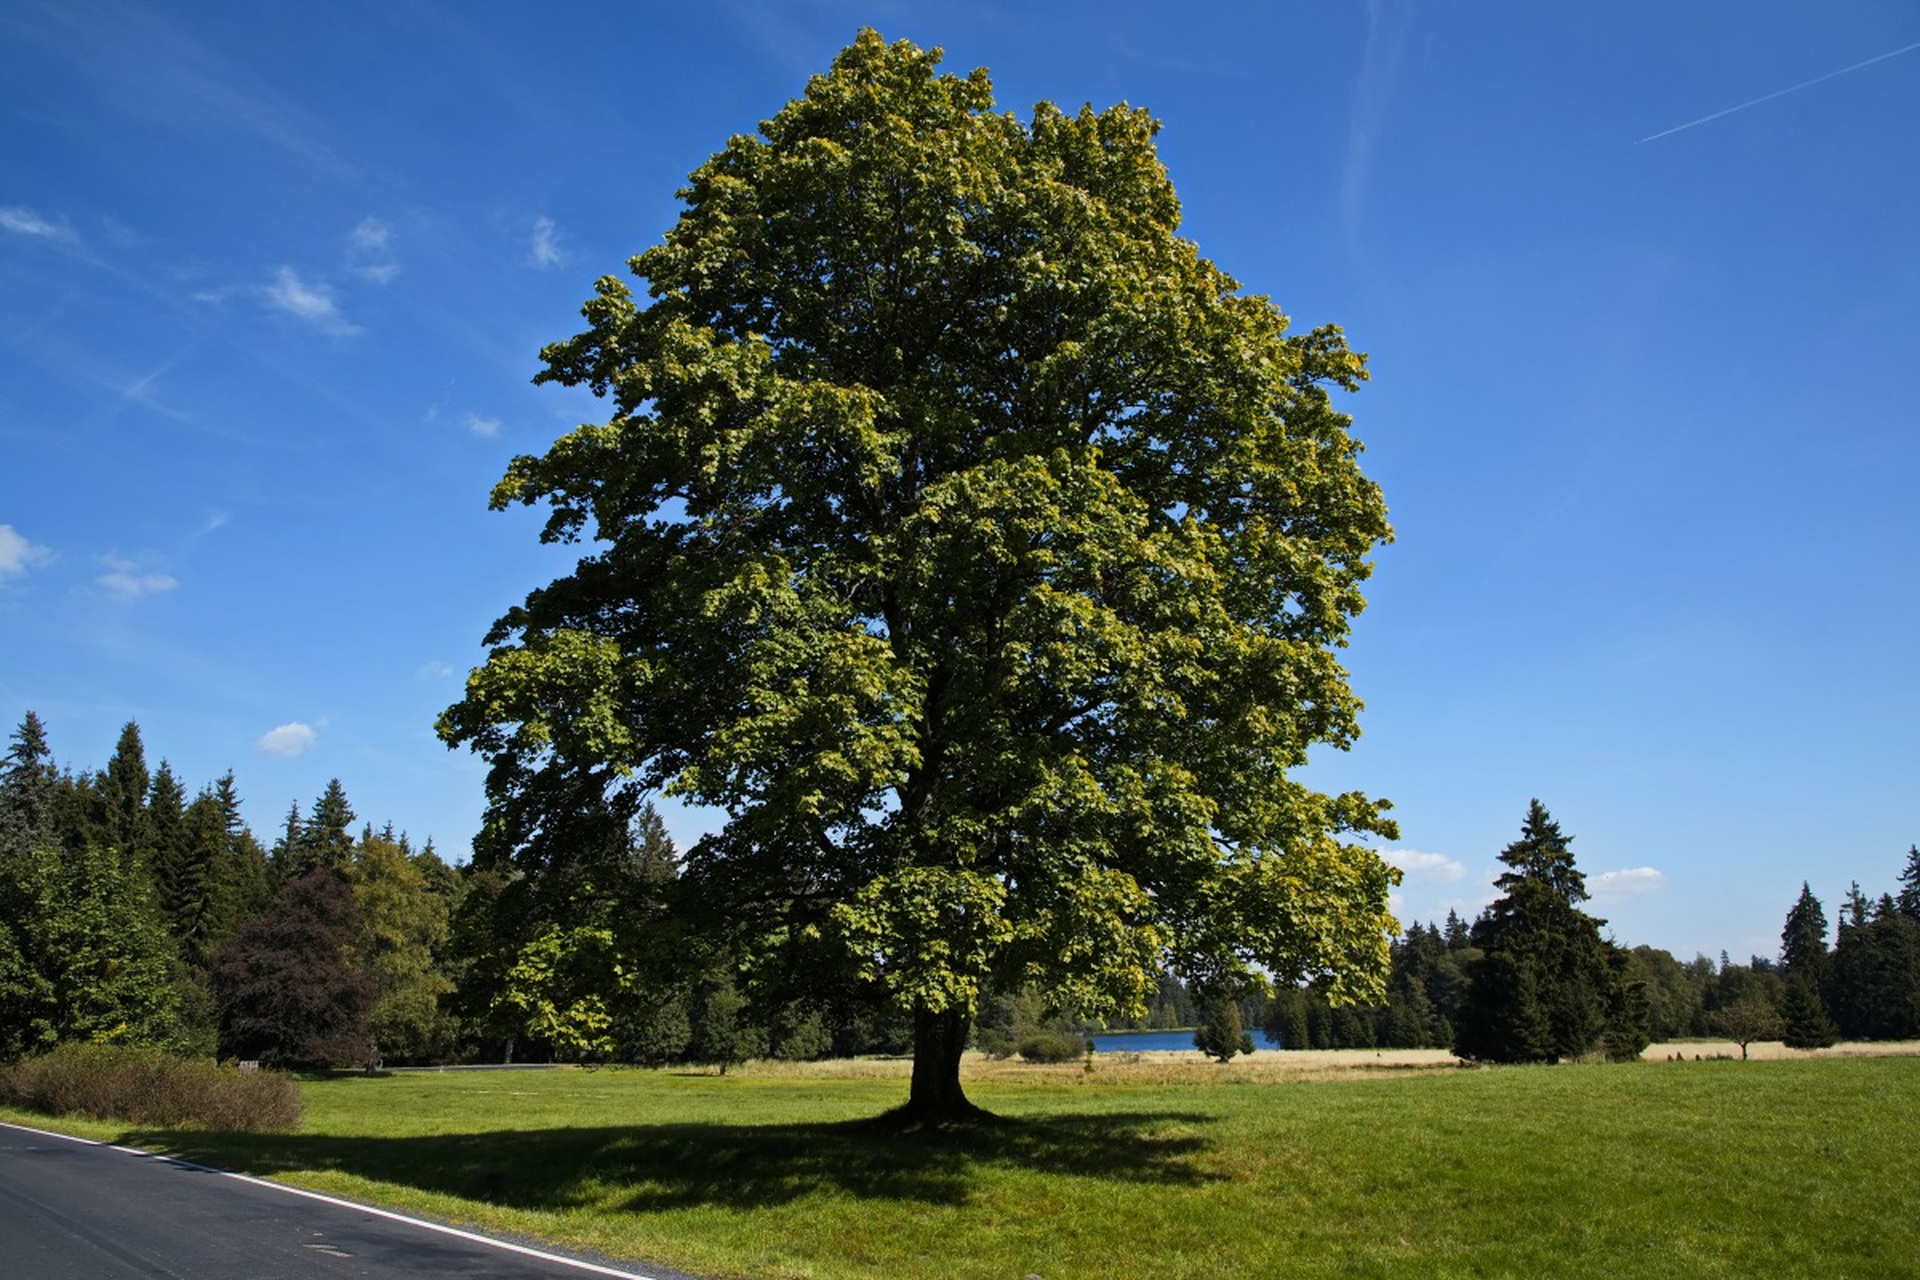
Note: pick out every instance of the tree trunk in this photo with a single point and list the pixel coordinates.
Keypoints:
(938, 1041)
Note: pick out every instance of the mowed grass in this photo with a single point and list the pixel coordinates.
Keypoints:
(1146, 1169)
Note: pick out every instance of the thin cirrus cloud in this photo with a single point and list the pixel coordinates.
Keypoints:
(310, 302)
(287, 741)
(18, 555)
(485, 428)
(1425, 866)
(1612, 886)
(131, 580)
(370, 251)
(25, 222)
(545, 249)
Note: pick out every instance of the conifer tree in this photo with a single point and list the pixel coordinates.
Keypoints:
(122, 795)
(1546, 987)
(1807, 1024)
(29, 783)
(1803, 941)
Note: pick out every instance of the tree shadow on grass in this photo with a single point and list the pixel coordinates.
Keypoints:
(654, 1167)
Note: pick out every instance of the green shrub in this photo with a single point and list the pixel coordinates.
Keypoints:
(151, 1087)
(1052, 1046)
(994, 1042)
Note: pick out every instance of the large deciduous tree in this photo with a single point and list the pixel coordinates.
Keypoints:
(977, 546)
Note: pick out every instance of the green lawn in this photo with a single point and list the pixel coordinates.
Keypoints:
(1684, 1169)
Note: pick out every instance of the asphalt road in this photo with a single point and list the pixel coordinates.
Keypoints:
(74, 1210)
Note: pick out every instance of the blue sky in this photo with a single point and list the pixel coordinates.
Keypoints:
(1640, 284)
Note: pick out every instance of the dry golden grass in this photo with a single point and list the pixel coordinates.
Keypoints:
(1266, 1067)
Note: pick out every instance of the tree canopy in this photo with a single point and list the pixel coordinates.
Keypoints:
(977, 546)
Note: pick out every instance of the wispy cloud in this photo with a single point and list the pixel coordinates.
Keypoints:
(545, 249)
(1613, 886)
(1387, 23)
(287, 740)
(310, 302)
(216, 520)
(25, 222)
(486, 428)
(370, 251)
(1425, 866)
(133, 580)
(18, 555)
(1779, 93)
(436, 670)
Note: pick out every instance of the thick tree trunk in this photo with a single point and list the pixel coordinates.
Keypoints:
(936, 1096)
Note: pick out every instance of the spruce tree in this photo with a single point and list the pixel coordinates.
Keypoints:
(1547, 987)
(1803, 942)
(1807, 1023)
(29, 784)
(122, 795)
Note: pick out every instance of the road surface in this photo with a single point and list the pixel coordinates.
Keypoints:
(77, 1210)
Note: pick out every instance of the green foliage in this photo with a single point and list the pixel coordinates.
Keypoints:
(403, 926)
(1805, 1022)
(1051, 1046)
(722, 1036)
(1875, 973)
(1746, 1020)
(82, 953)
(151, 1087)
(976, 545)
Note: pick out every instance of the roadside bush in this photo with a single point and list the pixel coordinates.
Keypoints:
(1052, 1046)
(151, 1087)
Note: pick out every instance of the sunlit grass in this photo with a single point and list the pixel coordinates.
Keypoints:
(1160, 1167)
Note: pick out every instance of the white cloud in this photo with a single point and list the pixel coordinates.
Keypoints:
(131, 580)
(312, 303)
(1612, 886)
(370, 251)
(26, 222)
(287, 741)
(545, 251)
(487, 428)
(436, 670)
(17, 555)
(372, 235)
(1425, 866)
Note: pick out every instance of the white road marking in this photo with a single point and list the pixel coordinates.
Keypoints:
(509, 1247)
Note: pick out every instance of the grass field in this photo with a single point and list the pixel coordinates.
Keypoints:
(1289, 1165)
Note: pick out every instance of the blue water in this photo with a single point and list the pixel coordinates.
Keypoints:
(1158, 1041)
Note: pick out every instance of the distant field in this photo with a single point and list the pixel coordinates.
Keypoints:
(1280, 1165)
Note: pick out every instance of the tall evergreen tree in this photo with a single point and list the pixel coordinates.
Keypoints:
(1546, 987)
(165, 858)
(29, 783)
(326, 839)
(1803, 941)
(1908, 899)
(122, 795)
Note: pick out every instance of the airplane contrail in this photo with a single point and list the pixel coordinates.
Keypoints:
(1780, 93)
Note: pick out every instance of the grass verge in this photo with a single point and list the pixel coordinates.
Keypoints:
(1146, 1169)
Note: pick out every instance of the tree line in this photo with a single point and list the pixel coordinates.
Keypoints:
(131, 911)
(1533, 980)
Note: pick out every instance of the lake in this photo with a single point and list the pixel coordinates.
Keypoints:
(1159, 1042)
